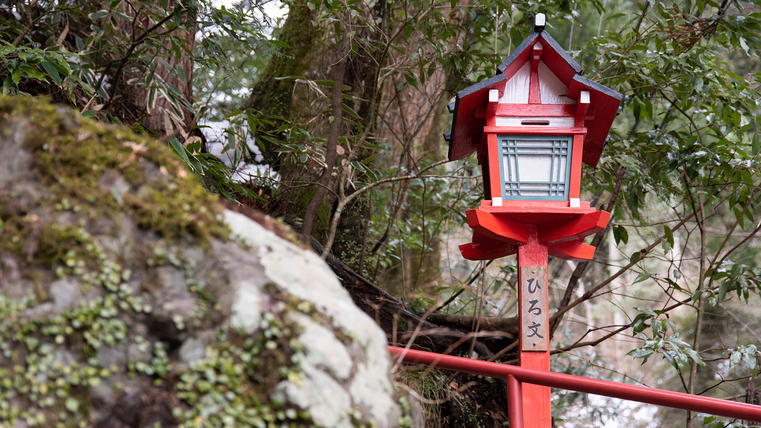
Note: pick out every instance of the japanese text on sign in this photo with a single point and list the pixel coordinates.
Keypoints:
(534, 306)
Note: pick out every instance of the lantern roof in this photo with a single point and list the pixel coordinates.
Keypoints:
(561, 82)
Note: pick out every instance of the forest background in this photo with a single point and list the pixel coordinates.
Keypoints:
(331, 118)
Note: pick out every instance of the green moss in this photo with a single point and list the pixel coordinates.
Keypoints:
(37, 113)
(72, 155)
(49, 361)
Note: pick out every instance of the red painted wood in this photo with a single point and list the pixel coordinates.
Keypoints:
(518, 62)
(574, 187)
(642, 394)
(467, 126)
(605, 109)
(536, 399)
(485, 248)
(537, 218)
(573, 229)
(538, 206)
(491, 114)
(477, 251)
(556, 63)
(499, 228)
(533, 110)
(495, 183)
(534, 93)
(533, 130)
(576, 251)
(581, 114)
(514, 402)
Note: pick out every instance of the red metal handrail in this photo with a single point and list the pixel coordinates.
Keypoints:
(516, 375)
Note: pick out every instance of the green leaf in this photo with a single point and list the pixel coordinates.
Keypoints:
(151, 99)
(177, 147)
(180, 73)
(52, 72)
(674, 284)
(749, 358)
(16, 76)
(650, 312)
(696, 296)
(641, 353)
(620, 234)
(411, 80)
(724, 289)
(670, 357)
(669, 235)
(88, 113)
(99, 14)
(641, 277)
(33, 72)
(737, 270)
(349, 110)
(745, 174)
(358, 166)
(695, 357)
(634, 258)
(639, 323)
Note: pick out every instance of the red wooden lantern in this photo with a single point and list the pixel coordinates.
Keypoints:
(532, 125)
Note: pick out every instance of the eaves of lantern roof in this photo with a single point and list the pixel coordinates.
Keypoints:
(467, 129)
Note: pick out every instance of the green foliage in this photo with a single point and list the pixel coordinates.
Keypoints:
(116, 61)
(232, 52)
(26, 62)
(748, 355)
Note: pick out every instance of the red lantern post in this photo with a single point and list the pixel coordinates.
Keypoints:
(532, 125)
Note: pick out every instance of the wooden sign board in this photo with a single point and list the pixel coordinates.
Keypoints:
(534, 307)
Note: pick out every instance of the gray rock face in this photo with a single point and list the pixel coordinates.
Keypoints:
(130, 298)
(340, 379)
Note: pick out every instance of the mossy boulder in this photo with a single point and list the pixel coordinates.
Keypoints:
(130, 298)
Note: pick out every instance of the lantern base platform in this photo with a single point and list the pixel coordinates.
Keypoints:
(537, 212)
(498, 231)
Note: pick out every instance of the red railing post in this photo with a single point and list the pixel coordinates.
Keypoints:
(514, 402)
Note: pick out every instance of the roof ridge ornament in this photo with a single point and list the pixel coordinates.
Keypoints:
(539, 22)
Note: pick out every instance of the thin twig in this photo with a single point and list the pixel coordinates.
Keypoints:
(345, 201)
